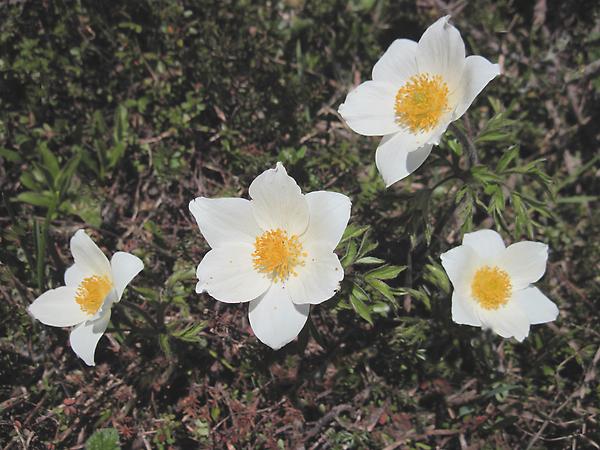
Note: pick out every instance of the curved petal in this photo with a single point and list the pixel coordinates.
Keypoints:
(74, 275)
(88, 256)
(125, 267)
(84, 338)
(277, 202)
(225, 220)
(442, 52)
(537, 307)
(399, 155)
(478, 72)
(227, 274)
(463, 312)
(486, 243)
(460, 263)
(329, 213)
(275, 319)
(525, 262)
(507, 321)
(319, 279)
(398, 63)
(58, 308)
(369, 109)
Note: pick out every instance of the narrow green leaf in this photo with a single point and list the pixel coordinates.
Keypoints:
(360, 307)
(385, 272)
(382, 288)
(369, 260)
(350, 255)
(10, 155)
(507, 158)
(353, 231)
(163, 342)
(44, 199)
(191, 332)
(50, 161)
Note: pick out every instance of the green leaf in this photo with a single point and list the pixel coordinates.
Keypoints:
(147, 293)
(163, 342)
(180, 275)
(63, 180)
(357, 297)
(385, 272)
(421, 296)
(351, 252)
(215, 413)
(103, 439)
(44, 199)
(485, 175)
(50, 161)
(29, 181)
(191, 332)
(353, 231)
(435, 274)
(507, 158)
(382, 288)
(10, 155)
(369, 260)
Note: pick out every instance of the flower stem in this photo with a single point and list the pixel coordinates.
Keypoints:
(467, 143)
(141, 312)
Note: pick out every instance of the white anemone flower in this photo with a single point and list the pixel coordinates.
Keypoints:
(492, 284)
(93, 284)
(417, 90)
(274, 251)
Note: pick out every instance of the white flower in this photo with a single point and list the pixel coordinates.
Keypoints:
(93, 284)
(274, 251)
(492, 284)
(416, 91)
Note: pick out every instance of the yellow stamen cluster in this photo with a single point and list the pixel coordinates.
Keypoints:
(421, 102)
(491, 287)
(276, 254)
(91, 293)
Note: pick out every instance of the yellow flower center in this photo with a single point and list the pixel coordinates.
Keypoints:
(421, 101)
(276, 254)
(491, 287)
(91, 293)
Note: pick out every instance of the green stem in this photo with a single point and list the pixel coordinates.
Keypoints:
(141, 312)
(467, 144)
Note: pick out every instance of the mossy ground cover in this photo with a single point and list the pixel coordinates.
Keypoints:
(113, 116)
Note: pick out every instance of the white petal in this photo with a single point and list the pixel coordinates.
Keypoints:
(58, 308)
(537, 307)
(319, 279)
(398, 63)
(486, 243)
(508, 321)
(277, 202)
(525, 262)
(275, 319)
(442, 52)
(463, 312)
(227, 274)
(84, 338)
(225, 220)
(125, 267)
(399, 155)
(369, 109)
(460, 263)
(74, 275)
(88, 257)
(478, 72)
(329, 213)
